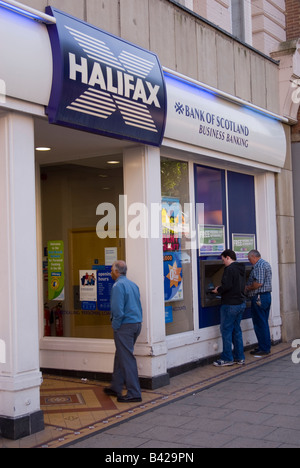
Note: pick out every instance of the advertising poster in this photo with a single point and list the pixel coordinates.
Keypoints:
(172, 223)
(242, 244)
(56, 271)
(88, 289)
(104, 287)
(211, 239)
(173, 282)
(168, 314)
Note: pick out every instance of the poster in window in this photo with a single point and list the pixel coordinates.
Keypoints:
(87, 287)
(211, 239)
(104, 287)
(242, 244)
(168, 314)
(172, 223)
(56, 271)
(173, 282)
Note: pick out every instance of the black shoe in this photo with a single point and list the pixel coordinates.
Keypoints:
(254, 351)
(262, 353)
(110, 392)
(126, 399)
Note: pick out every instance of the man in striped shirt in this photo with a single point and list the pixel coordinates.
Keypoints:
(259, 289)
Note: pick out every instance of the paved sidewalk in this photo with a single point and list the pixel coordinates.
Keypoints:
(259, 408)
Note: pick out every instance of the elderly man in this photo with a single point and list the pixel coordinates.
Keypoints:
(259, 288)
(126, 318)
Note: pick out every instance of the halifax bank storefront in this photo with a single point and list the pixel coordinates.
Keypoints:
(107, 155)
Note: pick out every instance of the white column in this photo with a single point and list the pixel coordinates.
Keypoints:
(20, 377)
(268, 242)
(145, 258)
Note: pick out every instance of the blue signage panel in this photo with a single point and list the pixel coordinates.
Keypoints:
(104, 287)
(103, 84)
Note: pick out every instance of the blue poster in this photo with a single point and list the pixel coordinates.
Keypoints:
(173, 277)
(88, 305)
(168, 314)
(104, 287)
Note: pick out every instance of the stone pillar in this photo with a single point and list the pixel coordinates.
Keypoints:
(288, 54)
(144, 257)
(287, 248)
(20, 378)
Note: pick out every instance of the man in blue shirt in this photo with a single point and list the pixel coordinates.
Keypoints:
(126, 319)
(259, 289)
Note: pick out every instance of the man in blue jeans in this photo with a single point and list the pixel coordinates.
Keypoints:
(233, 306)
(126, 319)
(259, 289)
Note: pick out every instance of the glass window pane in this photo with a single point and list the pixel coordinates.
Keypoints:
(209, 191)
(176, 247)
(75, 241)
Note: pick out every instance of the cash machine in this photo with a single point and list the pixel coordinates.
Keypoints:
(210, 274)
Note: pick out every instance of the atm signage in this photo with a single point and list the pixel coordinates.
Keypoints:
(103, 84)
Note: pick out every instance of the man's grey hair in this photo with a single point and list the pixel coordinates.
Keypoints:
(121, 267)
(254, 253)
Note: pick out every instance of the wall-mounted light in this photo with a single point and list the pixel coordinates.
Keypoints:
(26, 11)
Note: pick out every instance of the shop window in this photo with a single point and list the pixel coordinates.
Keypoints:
(77, 259)
(229, 222)
(176, 247)
(241, 202)
(210, 192)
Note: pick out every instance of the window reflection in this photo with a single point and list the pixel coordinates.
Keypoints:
(209, 192)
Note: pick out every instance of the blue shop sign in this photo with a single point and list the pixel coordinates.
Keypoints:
(103, 84)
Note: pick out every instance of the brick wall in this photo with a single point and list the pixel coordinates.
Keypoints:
(292, 19)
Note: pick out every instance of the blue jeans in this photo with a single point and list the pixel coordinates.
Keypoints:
(260, 318)
(231, 317)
